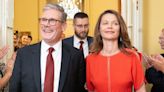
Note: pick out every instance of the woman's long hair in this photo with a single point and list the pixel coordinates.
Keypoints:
(123, 40)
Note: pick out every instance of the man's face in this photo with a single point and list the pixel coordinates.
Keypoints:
(15, 39)
(51, 26)
(29, 40)
(81, 27)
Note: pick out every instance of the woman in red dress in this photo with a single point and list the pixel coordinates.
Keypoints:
(113, 66)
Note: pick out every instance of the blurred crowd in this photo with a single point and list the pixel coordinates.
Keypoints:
(21, 40)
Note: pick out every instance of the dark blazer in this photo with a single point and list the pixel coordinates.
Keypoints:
(156, 78)
(70, 40)
(27, 74)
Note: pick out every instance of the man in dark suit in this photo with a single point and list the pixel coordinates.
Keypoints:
(155, 68)
(81, 29)
(50, 65)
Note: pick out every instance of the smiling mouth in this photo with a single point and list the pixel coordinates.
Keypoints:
(47, 31)
(109, 32)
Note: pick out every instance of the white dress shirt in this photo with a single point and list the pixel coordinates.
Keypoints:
(57, 53)
(76, 44)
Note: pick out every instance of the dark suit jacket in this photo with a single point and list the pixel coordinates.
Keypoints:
(27, 74)
(70, 40)
(156, 78)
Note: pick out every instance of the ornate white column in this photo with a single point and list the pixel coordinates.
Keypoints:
(6, 25)
(137, 24)
(3, 9)
(132, 14)
(3, 24)
(9, 23)
(126, 11)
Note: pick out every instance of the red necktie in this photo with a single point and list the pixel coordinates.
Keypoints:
(81, 45)
(49, 77)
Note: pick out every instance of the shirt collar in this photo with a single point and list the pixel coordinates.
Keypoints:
(45, 46)
(77, 40)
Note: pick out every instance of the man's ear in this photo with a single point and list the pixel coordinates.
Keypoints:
(64, 26)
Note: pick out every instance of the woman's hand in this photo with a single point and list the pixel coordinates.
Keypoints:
(3, 51)
(10, 64)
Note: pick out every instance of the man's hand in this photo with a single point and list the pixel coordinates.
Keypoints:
(146, 60)
(158, 62)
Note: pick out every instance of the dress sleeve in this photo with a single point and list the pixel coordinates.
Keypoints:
(89, 84)
(137, 72)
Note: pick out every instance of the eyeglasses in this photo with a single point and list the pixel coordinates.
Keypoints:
(51, 21)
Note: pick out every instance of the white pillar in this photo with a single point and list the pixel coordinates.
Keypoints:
(132, 14)
(9, 23)
(3, 22)
(126, 11)
(137, 23)
(6, 25)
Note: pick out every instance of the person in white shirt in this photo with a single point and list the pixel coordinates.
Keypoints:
(81, 29)
(50, 65)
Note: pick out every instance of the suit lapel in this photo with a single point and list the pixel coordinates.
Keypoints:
(64, 66)
(36, 66)
(72, 41)
(89, 40)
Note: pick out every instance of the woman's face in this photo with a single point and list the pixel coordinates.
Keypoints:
(109, 27)
(24, 39)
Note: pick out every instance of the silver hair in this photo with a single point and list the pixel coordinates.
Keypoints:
(58, 8)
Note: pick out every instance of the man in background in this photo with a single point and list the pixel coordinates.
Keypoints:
(29, 39)
(80, 39)
(16, 41)
(155, 68)
(161, 39)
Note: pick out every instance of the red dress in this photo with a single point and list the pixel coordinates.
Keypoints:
(117, 73)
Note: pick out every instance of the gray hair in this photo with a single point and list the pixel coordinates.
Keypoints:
(58, 8)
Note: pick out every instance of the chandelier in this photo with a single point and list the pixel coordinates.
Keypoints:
(71, 7)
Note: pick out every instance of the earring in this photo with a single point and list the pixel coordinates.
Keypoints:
(120, 39)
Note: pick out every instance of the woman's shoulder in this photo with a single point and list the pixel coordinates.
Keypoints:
(133, 53)
(92, 55)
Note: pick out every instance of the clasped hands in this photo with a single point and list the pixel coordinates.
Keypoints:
(156, 61)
